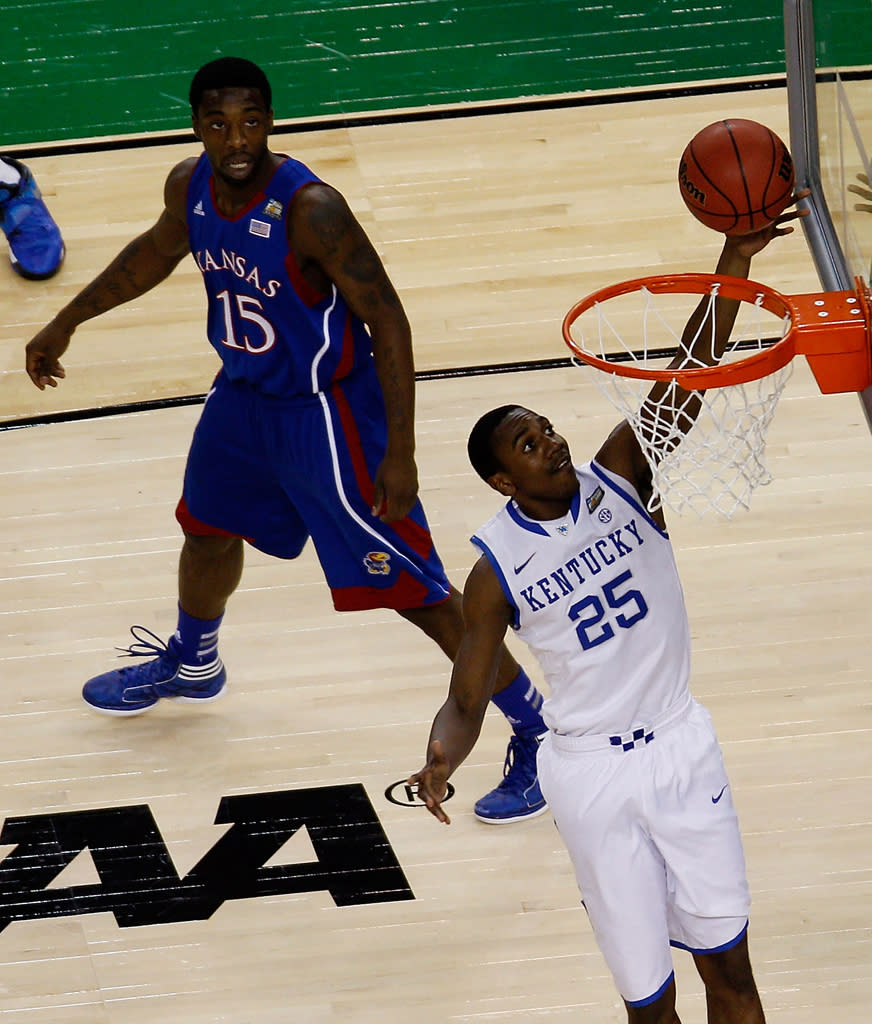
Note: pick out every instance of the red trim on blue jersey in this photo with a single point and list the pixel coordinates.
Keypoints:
(311, 296)
(346, 360)
(190, 524)
(259, 198)
(406, 593)
(416, 536)
(355, 450)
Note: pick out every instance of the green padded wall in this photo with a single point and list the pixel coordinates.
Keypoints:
(80, 68)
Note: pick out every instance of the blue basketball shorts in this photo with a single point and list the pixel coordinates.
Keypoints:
(276, 471)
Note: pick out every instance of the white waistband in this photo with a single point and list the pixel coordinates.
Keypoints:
(638, 736)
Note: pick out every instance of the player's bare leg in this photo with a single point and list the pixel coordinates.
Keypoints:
(210, 569)
(730, 990)
(661, 1011)
(443, 623)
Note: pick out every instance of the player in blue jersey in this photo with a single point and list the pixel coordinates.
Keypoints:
(631, 767)
(308, 430)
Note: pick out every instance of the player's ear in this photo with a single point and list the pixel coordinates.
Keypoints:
(195, 127)
(503, 483)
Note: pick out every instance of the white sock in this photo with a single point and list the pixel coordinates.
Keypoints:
(8, 174)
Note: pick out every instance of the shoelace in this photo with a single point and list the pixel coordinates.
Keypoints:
(517, 757)
(146, 644)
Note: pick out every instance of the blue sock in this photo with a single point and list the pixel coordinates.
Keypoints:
(520, 702)
(196, 640)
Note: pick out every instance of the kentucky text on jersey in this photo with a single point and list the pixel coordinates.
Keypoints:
(589, 562)
(239, 266)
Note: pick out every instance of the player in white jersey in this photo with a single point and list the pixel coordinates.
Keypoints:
(630, 767)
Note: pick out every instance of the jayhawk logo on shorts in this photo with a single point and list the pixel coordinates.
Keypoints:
(378, 563)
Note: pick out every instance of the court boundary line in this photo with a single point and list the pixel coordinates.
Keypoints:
(412, 115)
(446, 373)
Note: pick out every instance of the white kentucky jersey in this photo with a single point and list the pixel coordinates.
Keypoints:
(597, 598)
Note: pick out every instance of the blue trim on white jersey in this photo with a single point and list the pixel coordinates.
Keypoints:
(652, 998)
(609, 479)
(504, 583)
(575, 505)
(713, 949)
(518, 517)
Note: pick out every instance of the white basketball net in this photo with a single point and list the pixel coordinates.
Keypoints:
(716, 465)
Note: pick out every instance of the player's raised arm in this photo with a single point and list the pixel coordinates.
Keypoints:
(669, 409)
(457, 724)
(142, 264)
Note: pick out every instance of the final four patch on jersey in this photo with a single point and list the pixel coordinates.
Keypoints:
(595, 498)
(274, 209)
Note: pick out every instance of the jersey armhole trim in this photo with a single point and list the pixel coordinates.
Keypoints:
(611, 481)
(495, 565)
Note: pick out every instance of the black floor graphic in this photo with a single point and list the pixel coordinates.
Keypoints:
(140, 885)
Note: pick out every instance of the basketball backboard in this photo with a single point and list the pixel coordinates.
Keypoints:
(830, 105)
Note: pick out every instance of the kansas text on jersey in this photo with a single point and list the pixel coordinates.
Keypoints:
(269, 326)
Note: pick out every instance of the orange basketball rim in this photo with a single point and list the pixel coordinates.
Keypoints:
(831, 329)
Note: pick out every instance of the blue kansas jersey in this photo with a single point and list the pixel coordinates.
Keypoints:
(268, 325)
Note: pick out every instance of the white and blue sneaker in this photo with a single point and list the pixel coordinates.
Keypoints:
(136, 688)
(36, 247)
(518, 796)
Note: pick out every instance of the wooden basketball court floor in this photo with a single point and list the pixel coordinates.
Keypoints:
(491, 228)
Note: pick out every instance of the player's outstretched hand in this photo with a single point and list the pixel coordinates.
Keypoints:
(749, 245)
(42, 356)
(864, 191)
(431, 781)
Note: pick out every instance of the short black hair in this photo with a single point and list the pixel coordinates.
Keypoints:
(480, 447)
(228, 73)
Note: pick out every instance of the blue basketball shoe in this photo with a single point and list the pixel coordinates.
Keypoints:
(518, 795)
(36, 248)
(136, 688)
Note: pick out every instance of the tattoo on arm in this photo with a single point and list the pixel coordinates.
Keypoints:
(132, 273)
(363, 264)
(330, 221)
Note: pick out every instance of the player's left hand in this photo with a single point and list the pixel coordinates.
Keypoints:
(864, 191)
(749, 245)
(431, 781)
(395, 488)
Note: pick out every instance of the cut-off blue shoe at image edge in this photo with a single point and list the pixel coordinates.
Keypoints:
(518, 796)
(137, 688)
(36, 247)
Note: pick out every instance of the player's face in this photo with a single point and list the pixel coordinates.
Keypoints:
(537, 468)
(234, 125)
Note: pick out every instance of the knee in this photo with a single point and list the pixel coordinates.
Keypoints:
(210, 548)
(441, 622)
(661, 1011)
(729, 980)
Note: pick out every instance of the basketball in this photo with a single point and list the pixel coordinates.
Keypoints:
(736, 176)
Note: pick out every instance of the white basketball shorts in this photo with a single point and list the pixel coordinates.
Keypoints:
(650, 826)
